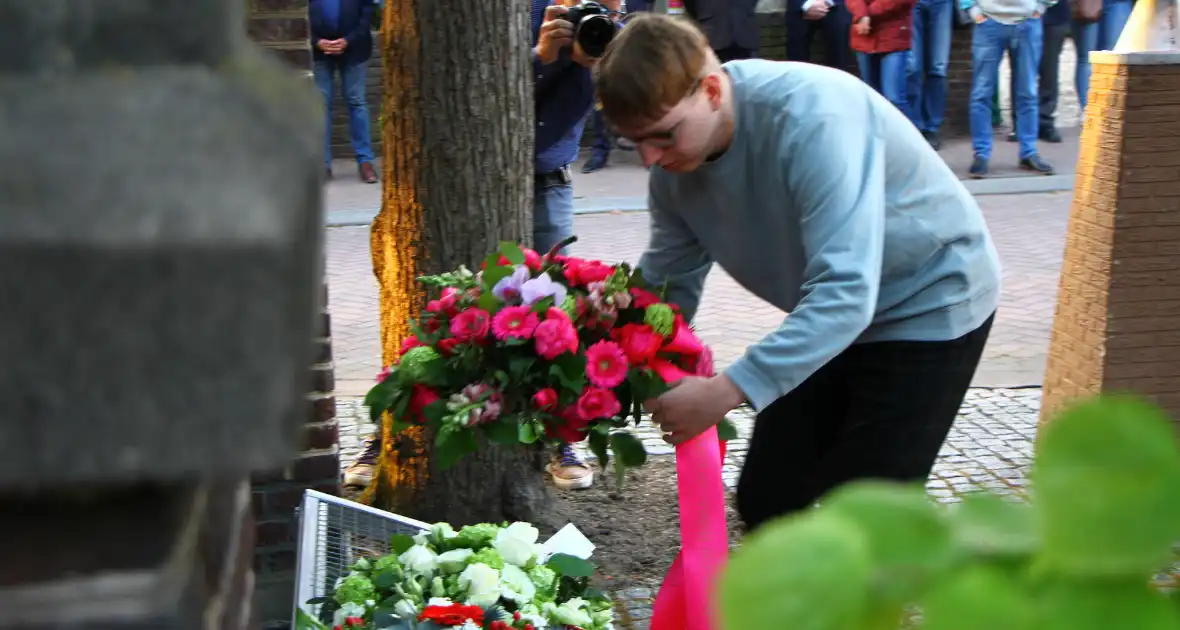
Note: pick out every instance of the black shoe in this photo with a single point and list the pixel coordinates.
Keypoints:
(327, 173)
(933, 139)
(1011, 136)
(1049, 134)
(596, 162)
(978, 167)
(1036, 164)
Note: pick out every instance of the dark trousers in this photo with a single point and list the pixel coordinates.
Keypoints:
(730, 53)
(877, 411)
(834, 27)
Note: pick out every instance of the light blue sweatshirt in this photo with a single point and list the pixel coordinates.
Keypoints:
(1006, 11)
(830, 205)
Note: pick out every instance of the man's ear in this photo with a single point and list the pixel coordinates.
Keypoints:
(712, 86)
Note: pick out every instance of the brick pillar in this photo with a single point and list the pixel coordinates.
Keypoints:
(159, 312)
(281, 27)
(1117, 326)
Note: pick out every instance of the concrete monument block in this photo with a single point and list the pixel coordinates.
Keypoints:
(160, 246)
(1117, 326)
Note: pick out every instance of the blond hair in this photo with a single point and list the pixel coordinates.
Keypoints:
(654, 62)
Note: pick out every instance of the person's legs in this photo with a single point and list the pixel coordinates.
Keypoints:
(916, 71)
(902, 397)
(864, 63)
(352, 78)
(1085, 39)
(1115, 14)
(1026, 61)
(731, 53)
(891, 68)
(837, 25)
(1048, 77)
(553, 213)
(323, 72)
(799, 33)
(603, 142)
(791, 437)
(987, 47)
(940, 17)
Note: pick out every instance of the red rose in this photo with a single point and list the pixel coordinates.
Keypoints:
(569, 427)
(453, 615)
(640, 342)
(583, 272)
(449, 302)
(532, 259)
(545, 399)
(408, 344)
(421, 397)
(447, 346)
(470, 325)
(597, 402)
(643, 298)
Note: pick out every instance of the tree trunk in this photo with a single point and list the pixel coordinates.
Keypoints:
(457, 162)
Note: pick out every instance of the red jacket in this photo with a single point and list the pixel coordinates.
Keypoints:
(891, 25)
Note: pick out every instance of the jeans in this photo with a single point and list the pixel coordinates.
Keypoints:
(352, 87)
(878, 410)
(886, 73)
(929, 58)
(553, 215)
(1100, 35)
(836, 26)
(1023, 43)
(603, 142)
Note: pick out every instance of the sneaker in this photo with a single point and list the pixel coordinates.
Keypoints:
(360, 473)
(978, 167)
(933, 139)
(1050, 134)
(596, 162)
(1036, 164)
(625, 144)
(568, 470)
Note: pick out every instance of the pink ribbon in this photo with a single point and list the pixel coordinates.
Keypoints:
(686, 598)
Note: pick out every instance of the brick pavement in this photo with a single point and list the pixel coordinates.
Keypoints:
(1029, 231)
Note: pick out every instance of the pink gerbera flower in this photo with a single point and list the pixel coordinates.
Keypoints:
(517, 322)
(606, 364)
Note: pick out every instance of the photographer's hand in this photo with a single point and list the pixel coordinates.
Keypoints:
(556, 33)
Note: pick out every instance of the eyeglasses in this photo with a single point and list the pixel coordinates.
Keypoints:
(665, 139)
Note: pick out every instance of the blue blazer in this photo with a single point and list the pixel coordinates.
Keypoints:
(355, 24)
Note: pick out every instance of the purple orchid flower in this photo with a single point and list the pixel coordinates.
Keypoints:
(540, 288)
(509, 289)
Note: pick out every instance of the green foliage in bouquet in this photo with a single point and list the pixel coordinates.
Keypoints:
(1104, 517)
(536, 349)
(481, 577)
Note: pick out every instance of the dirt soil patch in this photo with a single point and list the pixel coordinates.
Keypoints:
(636, 531)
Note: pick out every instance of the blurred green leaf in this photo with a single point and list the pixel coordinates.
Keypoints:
(908, 539)
(599, 445)
(979, 598)
(512, 252)
(987, 525)
(628, 449)
(806, 572)
(726, 431)
(1106, 605)
(1107, 486)
(570, 566)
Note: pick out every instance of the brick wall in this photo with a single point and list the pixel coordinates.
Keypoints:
(1116, 326)
(281, 25)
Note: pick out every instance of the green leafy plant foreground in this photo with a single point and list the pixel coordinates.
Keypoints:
(1104, 516)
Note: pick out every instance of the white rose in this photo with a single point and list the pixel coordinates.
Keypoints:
(442, 531)
(572, 613)
(516, 584)
(482, 584)
(348, 609)
(517, 543)
(439, 601)
(419, 560)
(406, 609)
(453, 561)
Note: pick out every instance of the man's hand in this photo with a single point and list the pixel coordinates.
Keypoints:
(332, 46)
(817, 11)
(863, 26)
(693, 405)
(556, 34)
(980, 18)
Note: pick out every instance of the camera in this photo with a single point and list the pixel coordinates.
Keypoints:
(593, 26)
